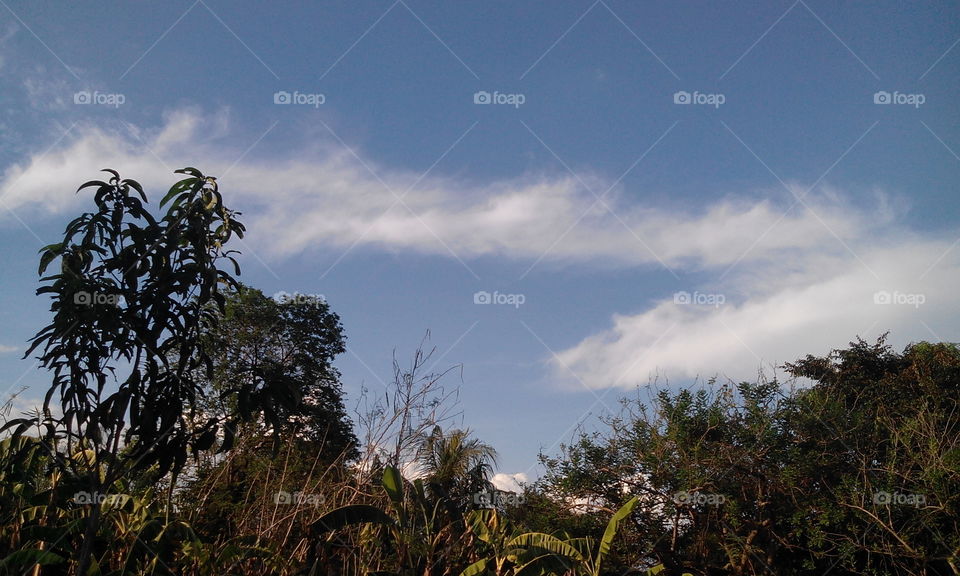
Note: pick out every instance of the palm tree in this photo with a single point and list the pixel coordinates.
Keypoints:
(452, 462)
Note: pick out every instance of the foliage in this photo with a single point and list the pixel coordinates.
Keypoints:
(264, 349)
(857, 472)
(852, 466)
(132, 299)
(131, 292)
(456, 465)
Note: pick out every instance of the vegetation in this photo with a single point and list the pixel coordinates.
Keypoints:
(195, 426)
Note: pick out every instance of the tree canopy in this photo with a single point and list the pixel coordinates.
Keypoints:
(283, 348)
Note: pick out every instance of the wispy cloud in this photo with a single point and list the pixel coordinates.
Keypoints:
(746, 325)
(326, 196)
(794, 278)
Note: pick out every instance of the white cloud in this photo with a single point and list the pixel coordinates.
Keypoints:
(324, 196)
(824, 306)
(4, 349)
(510, 482)
(795, 280)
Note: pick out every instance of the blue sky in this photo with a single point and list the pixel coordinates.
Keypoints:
(672, 190)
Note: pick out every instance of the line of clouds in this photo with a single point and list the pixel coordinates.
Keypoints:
(792, 277)
(327, 196)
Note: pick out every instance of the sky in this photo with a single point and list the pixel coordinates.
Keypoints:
(575, 199)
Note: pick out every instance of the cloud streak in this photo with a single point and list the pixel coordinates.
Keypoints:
(793, 275)
(821, 308)
(325, 196)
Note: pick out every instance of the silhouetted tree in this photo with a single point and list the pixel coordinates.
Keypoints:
(132, 299)
(263, 346)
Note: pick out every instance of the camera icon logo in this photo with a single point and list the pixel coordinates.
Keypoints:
(681, 297)
(282, 97)
(482, 97)
(283, 497)
(484, 499)
(681, 97)
(882, 498)
(882, 297)
(86, 498)
(83, 298)
(482, 297)
(82, 97)
(881, 97)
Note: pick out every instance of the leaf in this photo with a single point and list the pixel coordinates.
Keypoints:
(479, 523)
(350, 516)
(206, 440)
(94, 568)
(98, 183)
(177, 188)
(136, 186)
(54, 246)
(191, 171)
(211, 201)
(22, 424)
(418, 490)
(22, 559)
(48, 256)
(173, 192)
(610, 533)
(229, 435)
(393, 484)
(533, 564)
(547, 542)
(478, 567)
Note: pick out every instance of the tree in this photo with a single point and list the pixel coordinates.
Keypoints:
(455, 464)
(857, 474)
(286, 347)
(879, 458)
(131, 301)
(274, 347)
(702, 464)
